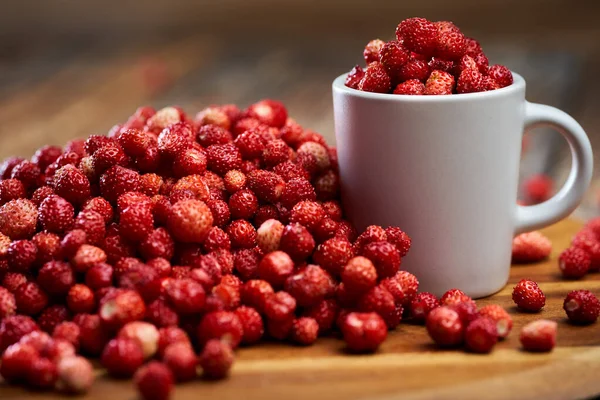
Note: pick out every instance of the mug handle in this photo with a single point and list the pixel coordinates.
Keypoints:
(529, 218)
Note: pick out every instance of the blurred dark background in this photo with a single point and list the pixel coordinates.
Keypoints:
(73, 68)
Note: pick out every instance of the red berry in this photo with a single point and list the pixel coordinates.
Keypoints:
(352, 80)
(445, 326)
(381, 301)
(18, 219)
(86, 257)
(538, 188)
(234, 180)
(122, 307)
(467, 311)
(470, 81)
(75, 375)
(269, 112)
(503, 320)
(93, 336)
(216, 359)
(158, 243)
(255, 292)
(56, 214)
(297, 241)
(375, 79)
(538, 336)
(40, 194)
(393, 55)
(42, 374)
(451, 41)
(185, 295)
(21, 255)
(582, 307)
(384, 256)
(154, 381)
(399, 239)
(453, 297)
(363, 332)
(305, 331)
(591, 246)
(92, 223)
(118, 180)
(122, 357)
(421, 305)
(310, 285)
(481, 335)
(268, 186)
(223, 158)
(8, 305)
(275, 268)
(530, 247)
(268, 235)
(250, 143)
(30, 298)
(242, 234)
(410, 87)
(252, 324)
(574, 263)
(243, 204)
(439, 83)
(144, 333)
(403, 286)
(372, 50)
(418, 35)
(67, 331)
(528, 296)
(80, 299)
(441, 64)
(222, 325)
(190, 221)
(359, 275)
(11, 189)
(28, 173)
(71, 184)
(181, 360)
(12, 280)
(501, 75)
(13, 328)
(17, 361)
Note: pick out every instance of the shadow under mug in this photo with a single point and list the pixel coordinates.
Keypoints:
(445, 169)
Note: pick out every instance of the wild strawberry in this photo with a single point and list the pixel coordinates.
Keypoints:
(354, 77)
(229, 296)
(418, 35)
(80, 299)
(18, 219)
(11, 189)
(268, 235)
(531, 247)
(305, 331)
(243, 204)
(381, 301)
(175, 139)
(467, 311)
(234, 180)
(92, 223)
(52, 316)
(275, 268)
(296, 190)
(186, 295)
(441, 64)
(154, 381)
(71, 184)
(310, 285)
(28, 173)
(212, 134)
(276, 152)
(410, 87)
(445, 326)
(375, 79)
(46, 155)
(67, 331)
(393, 55)
(40, 194)
(216, 359)
(242, 234)
(359, 275)
(481, 335)
(280, 306)
(144, 333)
(307, 213)
(12, 280)
(384, 256)
(403, 286)
(252, 324)
(297, 241)
(134, 142)
(71, 242)
(454, 296)
(574, 263)
(223, 158)
(538, 336)
(21, 255)
(255, 292)
(222, 325)
(333, 255)
(118, 180)
(501, 75)
(414, 70)
(324, 313)
(220, 212)
(75, 375)
(8, 305)
(216, 239)
(528, 296)
(122, 307)
(13, 328)
(30, 298)
(86, 257)
(451, 41)
(372, 233)
(17, 360)
(591, 246)
(268, 112)
(421, 305)
(158, 243)
(500, 316)
(42, 374)
(150, 184)
(122, 357)
(93, 336)
(181, 360)
(438, 83)
(582, 307)
(470, 81)
(363, 332)
(372, 50)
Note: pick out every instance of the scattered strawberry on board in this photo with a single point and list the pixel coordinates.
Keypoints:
(427, 58)
(165, 245)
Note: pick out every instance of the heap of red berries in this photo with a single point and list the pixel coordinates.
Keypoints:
(427, 58)
(166, 244)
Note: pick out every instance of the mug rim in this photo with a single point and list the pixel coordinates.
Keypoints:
(518, 84)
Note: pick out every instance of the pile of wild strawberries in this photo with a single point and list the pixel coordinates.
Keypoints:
(427, 58)
(168, 243)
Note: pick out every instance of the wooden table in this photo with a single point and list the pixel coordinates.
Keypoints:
(408, 366)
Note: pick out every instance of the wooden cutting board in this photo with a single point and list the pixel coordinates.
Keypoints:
(408, 366)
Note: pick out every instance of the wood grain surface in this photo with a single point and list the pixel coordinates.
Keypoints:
(408, 366)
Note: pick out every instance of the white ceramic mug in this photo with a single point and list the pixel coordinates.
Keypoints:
(445, 170)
